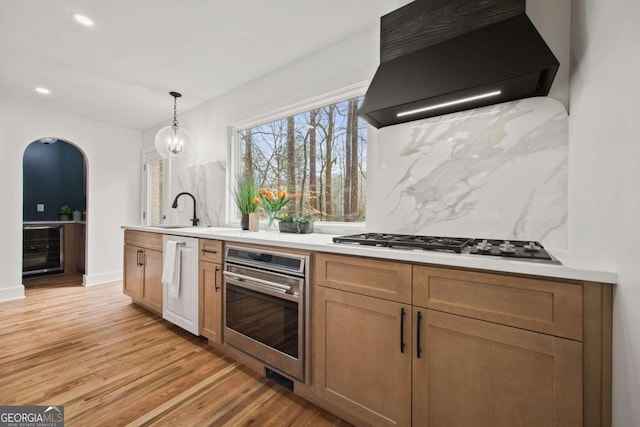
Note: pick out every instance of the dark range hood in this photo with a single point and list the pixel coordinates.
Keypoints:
(501, 58)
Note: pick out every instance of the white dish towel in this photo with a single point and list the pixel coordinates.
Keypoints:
(171, 268)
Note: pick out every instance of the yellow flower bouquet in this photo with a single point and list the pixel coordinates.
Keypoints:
(271, 201)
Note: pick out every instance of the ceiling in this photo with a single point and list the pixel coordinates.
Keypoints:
(121, 70)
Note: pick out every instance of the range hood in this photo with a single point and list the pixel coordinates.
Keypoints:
(503, 61)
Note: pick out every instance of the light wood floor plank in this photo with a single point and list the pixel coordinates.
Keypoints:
(111, 363)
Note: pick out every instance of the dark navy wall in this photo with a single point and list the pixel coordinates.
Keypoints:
(53, 175)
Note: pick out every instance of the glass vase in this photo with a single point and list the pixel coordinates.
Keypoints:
(271, 218)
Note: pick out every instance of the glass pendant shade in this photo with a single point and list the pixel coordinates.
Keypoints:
(173, 142)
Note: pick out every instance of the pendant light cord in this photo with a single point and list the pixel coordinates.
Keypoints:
(175, 111)
(175, 95)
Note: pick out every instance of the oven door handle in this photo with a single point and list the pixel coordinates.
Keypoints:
(261, 290)
(256, 281)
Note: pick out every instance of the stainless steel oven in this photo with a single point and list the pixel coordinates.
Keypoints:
(265, 306)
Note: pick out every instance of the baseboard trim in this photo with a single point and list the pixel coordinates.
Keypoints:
(8, 294)
(101, 278)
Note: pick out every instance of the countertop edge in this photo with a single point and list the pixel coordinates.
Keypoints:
(324, 243)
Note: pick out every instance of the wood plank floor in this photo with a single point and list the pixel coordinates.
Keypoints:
(111, 363)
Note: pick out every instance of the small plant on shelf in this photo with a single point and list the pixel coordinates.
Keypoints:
(65, 212)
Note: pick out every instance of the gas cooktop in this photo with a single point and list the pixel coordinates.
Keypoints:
(515, 249)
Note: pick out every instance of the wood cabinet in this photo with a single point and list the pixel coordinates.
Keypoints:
(210, 281)
(472, 372)
(143, 269)
(81, 239)
(70, 248)
(211, 301)
(210, 250)
(376, 278)
(359, 363)
(133, 272)
(481, 348)
(152, 285)
(542, 305)
(525, 332)
(362, 337)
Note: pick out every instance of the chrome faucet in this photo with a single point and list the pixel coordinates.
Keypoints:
(193, 220)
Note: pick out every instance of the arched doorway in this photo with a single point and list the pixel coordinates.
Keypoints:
(54, 212)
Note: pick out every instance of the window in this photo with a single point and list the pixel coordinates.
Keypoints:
(318, 156)
(155, 171)
(152, 187)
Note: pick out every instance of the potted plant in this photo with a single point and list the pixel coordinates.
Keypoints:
(243, 194)
(296, 224)
(65, 212)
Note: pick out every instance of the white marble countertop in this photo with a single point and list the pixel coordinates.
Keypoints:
(324, 243)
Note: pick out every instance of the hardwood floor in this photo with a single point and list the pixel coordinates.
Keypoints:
(111, 363)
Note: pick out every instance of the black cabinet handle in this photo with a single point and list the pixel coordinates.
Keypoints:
(418, 343)
(215, 279)
(402, 314)
(207, 251)
(138, 260)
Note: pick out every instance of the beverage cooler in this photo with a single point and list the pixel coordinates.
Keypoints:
(42, 249)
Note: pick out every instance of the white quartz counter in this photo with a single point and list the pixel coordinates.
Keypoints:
(324, 243)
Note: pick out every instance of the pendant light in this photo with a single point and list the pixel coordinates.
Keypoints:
(173, 142)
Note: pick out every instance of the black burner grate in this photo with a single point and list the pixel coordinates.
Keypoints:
(399, 241)
(520, 250)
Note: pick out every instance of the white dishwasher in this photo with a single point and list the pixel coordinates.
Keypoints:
(181, 307)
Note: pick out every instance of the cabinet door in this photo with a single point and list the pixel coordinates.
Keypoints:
(152, 287)
(472, 372)
(211, 301)
(133, 272)
(358, 363)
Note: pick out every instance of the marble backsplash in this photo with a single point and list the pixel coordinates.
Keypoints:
(493, 172)
(206, 182)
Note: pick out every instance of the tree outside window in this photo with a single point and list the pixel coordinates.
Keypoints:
(319, 156)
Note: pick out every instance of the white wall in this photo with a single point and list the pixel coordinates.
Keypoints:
(604, 174)
(113, 156)
(344, 63)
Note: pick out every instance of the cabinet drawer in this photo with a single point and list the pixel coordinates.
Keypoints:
(211, 250)
(372, 277)
(143, 239)
(539, 305)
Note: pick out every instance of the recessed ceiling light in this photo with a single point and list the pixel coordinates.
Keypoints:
(82, 19)
(43, 90)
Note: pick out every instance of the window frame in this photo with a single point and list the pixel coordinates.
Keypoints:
(233, 150)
